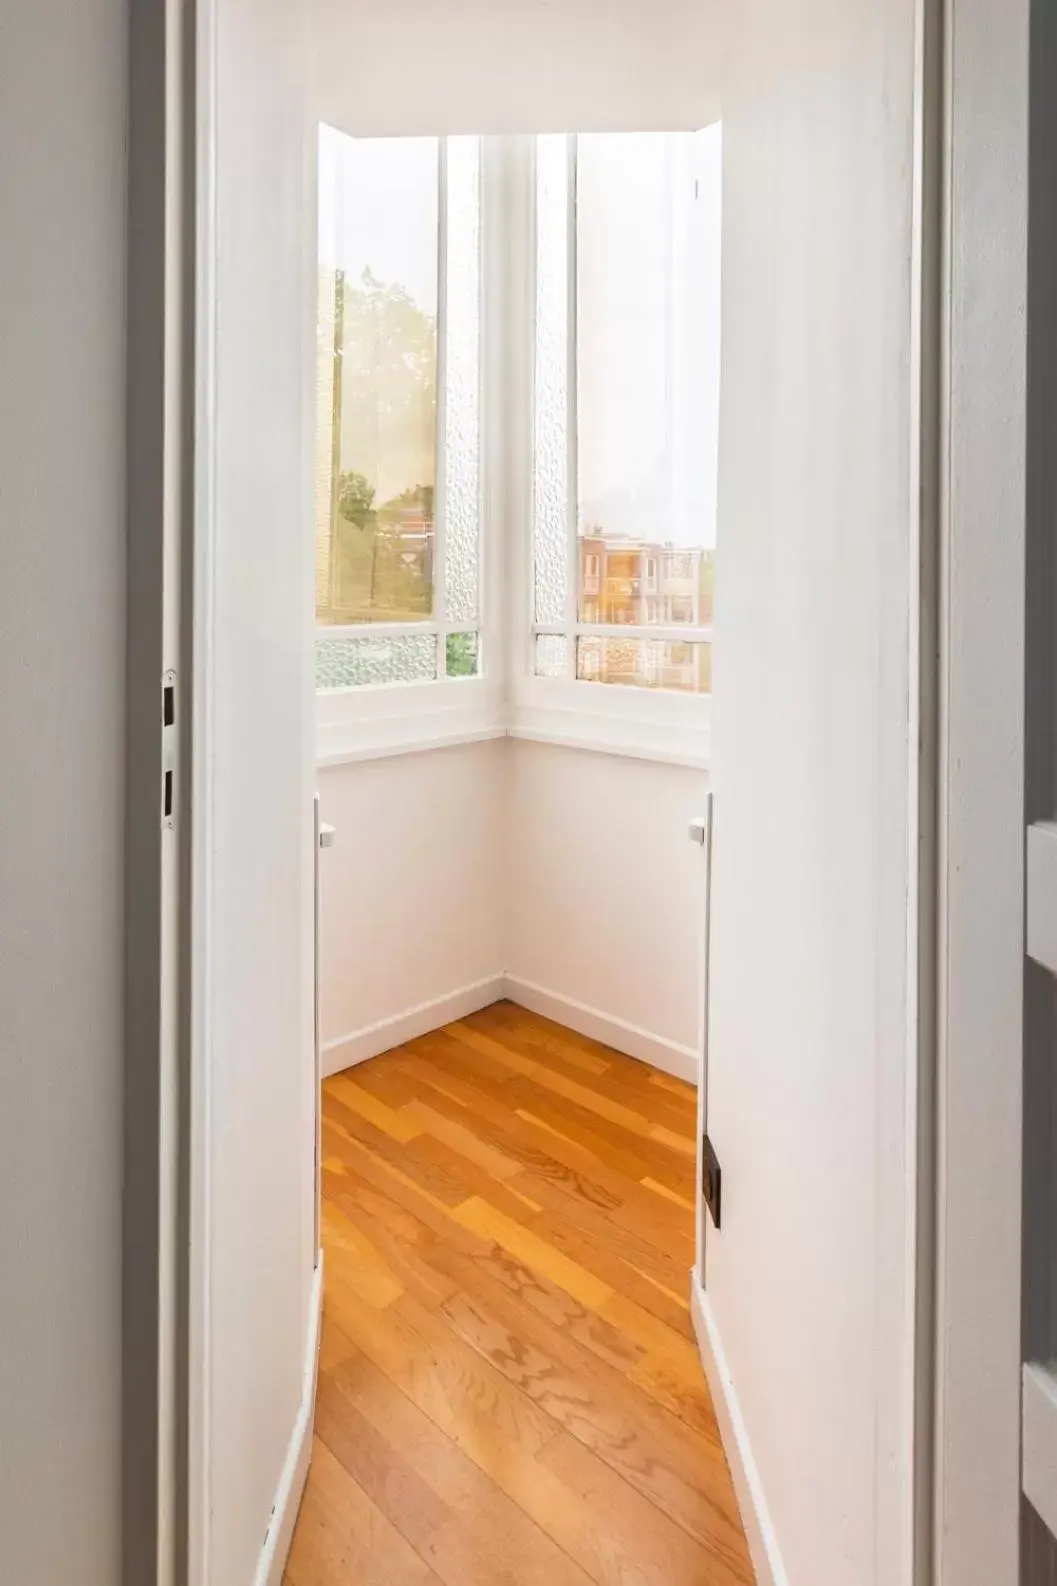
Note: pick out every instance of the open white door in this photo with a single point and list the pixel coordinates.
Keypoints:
(255, 1286)
(807, 1308)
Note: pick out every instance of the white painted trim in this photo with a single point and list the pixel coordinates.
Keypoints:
(682, 1062)
(344, 1051)
(199, 1456)
(272, 1562)
(980, 905)
(581, 735)
(755, 1515)
(348, 743)
(412, 737)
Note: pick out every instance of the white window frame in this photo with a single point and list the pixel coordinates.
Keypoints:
(507, 699)
(656, 724)
(374, 720)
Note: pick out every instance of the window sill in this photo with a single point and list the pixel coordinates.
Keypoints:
(351, 744)
(347, 738)
(632, 739)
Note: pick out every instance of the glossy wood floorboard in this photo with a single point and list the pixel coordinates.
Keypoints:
(509, 1392)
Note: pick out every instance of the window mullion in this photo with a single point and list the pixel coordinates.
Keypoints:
(572, 594)
(440, 448)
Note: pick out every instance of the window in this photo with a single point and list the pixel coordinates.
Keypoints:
(398, 466)
(625, 406)
(516, 385)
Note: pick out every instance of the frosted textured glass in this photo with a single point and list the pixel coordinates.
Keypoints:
(462, 381)
(682, 665)
(550, 496)
(551, 655)
(373, 659)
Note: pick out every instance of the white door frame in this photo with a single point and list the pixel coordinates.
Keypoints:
(980, 809)
(161, 508)
(978, 815)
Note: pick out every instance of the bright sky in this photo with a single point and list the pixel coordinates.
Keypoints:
(648, 333)
(378, 209)
(648, 225)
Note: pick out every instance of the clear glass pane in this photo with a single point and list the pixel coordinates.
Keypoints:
(462, 654)
(647, 326)
(375, 658)
(683, 665)
(551, 655)
(462, 380)
(644, 582)
(550, 517)
(376, 393)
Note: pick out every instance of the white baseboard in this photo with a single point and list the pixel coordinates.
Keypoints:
(347, 1050)
(280, 1534)
(755, 1516)
(679, 1061)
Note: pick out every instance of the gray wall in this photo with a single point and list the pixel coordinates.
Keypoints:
(62, 194)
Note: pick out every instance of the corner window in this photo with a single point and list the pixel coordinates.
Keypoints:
(517, 388)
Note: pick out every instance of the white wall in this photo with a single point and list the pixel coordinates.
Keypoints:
(607, 894)
(535, 66)
(260, 1059)
(414, 894)
(62, 639)
(807, 1283)
(560, 877)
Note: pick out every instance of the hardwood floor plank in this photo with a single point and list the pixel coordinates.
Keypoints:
(543, 1035)
(664, 1551)
(461, 1139)
(343, 1128)
(448, 1380)
(668, 1194)
(480, 1273)
(377, 1466)
(472, 1492)
(341, 1537)
(490, 1224)
(506, 1195)
(509, 1391)
(639, 1245)
(592, 1099)
(344, 1089)
(670, 1465)
(622, 1278)
(395, 1233)
(596, 1066)
(357, 1269)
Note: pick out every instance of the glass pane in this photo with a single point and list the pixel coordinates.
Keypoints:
(683, 665)
(373, 659)
(462, 654)
(647, 281)
(376, 393)
(462, 380)
(551, 655)
(550, 517)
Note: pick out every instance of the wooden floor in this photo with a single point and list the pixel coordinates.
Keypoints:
(509, 1391)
